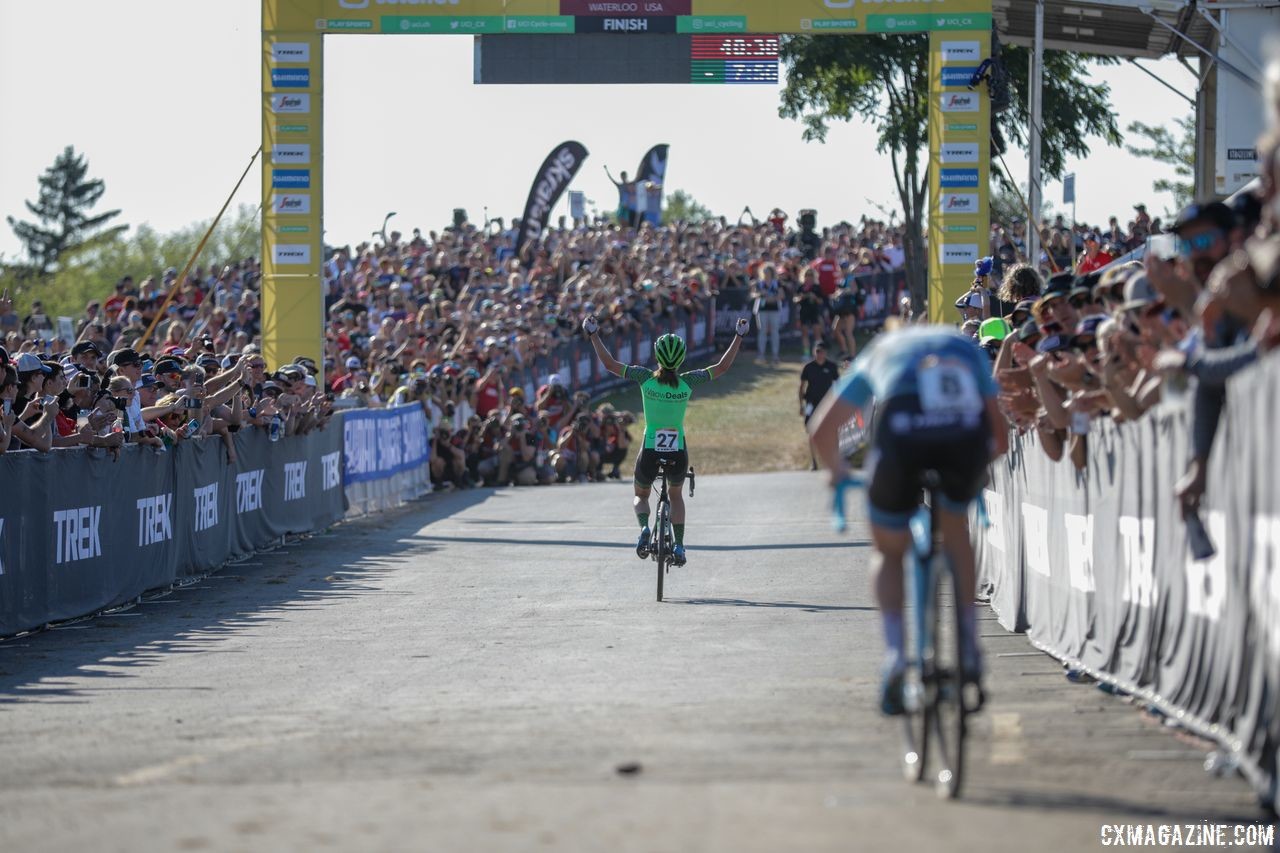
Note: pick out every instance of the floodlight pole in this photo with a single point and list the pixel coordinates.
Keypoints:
(1034, 195)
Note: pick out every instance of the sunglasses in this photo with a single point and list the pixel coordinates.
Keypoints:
(1199, 243)
(1079, 301)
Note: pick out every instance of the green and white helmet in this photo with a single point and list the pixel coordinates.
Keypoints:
(669, 350)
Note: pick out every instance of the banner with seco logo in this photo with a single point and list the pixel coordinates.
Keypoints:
(80, 531)
(1097, 566)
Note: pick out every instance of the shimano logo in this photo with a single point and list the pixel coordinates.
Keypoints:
(155, 520)
(76, 534)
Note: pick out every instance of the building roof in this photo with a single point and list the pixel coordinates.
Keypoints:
(1111, 27)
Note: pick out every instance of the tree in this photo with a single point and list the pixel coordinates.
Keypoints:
(885, 79)
(683, 207)
(1176, 151)
(62, 210)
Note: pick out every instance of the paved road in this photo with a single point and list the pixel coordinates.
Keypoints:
(467, 674)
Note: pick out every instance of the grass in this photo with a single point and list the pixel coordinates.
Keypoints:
(746, 421)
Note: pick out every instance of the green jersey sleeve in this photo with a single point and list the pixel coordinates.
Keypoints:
(637, 374)
(694, 378)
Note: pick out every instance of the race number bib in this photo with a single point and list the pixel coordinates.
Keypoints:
(666, 440)
(947, 388)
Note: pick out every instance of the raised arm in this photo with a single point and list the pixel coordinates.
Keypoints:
(721, 367)
(611, 364)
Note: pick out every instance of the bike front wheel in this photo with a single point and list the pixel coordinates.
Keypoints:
(662, 544)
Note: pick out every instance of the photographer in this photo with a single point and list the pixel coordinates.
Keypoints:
(614, 441)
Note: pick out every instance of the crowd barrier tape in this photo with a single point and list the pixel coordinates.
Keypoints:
(1095, 567)
(80, 532)
(387, 456)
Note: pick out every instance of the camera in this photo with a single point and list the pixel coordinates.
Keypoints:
(194, 403)
(808, 219)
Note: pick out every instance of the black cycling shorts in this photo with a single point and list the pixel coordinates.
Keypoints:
(647, 467)
(906, 442)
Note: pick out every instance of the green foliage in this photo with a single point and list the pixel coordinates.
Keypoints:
(682, 207)
(91, 271)
(1176, 151)
(1008, 203)
(62, 213)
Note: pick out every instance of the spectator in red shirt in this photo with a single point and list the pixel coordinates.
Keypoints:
(489, 392)
(1093, 258)
(347, 379)
(828, 270)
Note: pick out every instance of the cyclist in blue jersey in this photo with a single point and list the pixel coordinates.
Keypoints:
(935, 409)
(665, 394)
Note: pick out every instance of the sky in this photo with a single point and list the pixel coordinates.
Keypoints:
(168, 115)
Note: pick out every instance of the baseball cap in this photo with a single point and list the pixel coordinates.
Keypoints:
(1053, 343)
(1029, 331)
(309, 380)
(148, 381)
(555, 379)
(353, 362)
(996, 327)
(84, 347)
(124, 356)
(1023, 307)
(28, 362)
(1214, 213)
(167, 365)
(1139, 292)
(1088, 327)
(969, 300)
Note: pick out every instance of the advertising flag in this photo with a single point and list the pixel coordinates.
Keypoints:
(552, 180)
(651, 177)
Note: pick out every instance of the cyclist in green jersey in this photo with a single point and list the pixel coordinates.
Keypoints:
(666, 396)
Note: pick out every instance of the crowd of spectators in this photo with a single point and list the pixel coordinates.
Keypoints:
(1202, 304)
(446, 319)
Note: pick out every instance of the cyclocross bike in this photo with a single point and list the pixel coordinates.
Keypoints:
(664, 539)
(937, 698)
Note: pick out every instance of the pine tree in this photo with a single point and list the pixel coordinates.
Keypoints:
(63, 213)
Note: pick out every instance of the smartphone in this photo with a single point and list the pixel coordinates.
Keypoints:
(194, 403)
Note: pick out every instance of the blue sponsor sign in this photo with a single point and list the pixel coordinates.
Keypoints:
(291, 78)
(953, 178)
(296, 179)
(957, 76)
(380, 443)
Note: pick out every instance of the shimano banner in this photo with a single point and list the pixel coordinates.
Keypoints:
(81, 531)
(552, 180)
(1096, 567)
(388, 456)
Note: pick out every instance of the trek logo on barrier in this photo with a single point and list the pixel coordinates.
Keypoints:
(285, 254)
(291, 103)
(291, 78)
(249, 491)
(1207, 579)
(959, 253)
(959, 152)
(291, 51)
(293, 154)
(206, 499)
(961, 51)
(291, 179)
(76, 534)
(960, 102)
(295, 481)
(295, 203)
(1138, 550)
(958, 178)
(959, 202)
(155, 520)
(331, 470)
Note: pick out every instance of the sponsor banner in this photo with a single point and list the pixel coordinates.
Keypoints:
(589, 24)
(417, 24)
(78, 537)
(626, 8)
(291, 179)
(958, 203)
(925, 22)
(298, 204)
(291, 52)
(550, 183)
(288, 129)
(1097, 567)
(962, 178)
(651, 179)
(959, 253)
(539, 24)
(960, 102)
(961, 127)
(961, 51)
(958, 152)
(291, 78)
(291, 103)
(712, 24)
(957, 76)
(291, 254)
(381, 443)
(291, 154)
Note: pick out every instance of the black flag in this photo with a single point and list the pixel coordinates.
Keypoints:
(554, 176)
(653, 170)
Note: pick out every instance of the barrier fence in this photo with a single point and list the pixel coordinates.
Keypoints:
(1095, 567)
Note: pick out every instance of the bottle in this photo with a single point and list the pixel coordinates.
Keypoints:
(276, 427)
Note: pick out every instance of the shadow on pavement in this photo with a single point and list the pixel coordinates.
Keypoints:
(630, 546)
(789, 605)
(51, 667)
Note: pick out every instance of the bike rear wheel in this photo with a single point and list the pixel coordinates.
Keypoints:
(662, 543)
(918, 688)
(949, 718)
